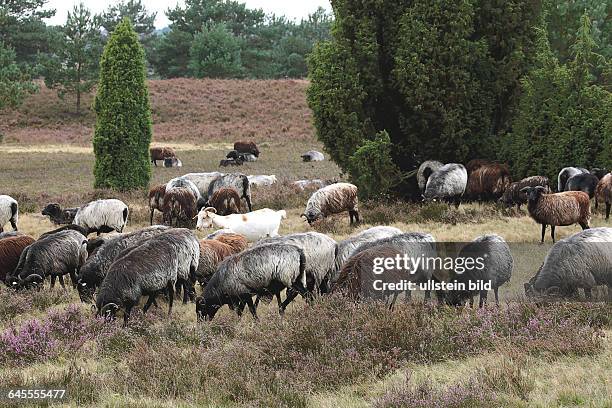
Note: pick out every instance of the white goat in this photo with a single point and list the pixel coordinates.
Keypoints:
(253, 225)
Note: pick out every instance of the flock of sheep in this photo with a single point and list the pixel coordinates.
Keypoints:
(245, 260)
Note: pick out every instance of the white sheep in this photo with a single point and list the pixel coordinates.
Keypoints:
(102, 216)
(262, 180)
(9, 211)
(253, 225)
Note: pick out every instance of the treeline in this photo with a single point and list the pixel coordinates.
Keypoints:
(205, 38)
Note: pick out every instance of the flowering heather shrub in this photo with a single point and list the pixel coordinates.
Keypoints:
(15, 303)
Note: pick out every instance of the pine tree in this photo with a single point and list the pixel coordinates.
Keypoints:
(123, 127)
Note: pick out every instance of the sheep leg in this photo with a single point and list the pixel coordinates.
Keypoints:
(13, 224)
(279, 302)
(408, 296)
(471, 300)
(483, 298)
(52, 281)
(587, 293)
(147, 305)
(552, 233)
(543, 233)
(496, 290)
(252, 309)
(61, 281)
(290, 296)
(151, 217)
(73, 278)
(248, 201)
(608, 205)
(170, 288)
(126, 314)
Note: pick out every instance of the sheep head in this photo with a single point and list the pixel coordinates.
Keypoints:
(533, 193)
(108, 311)
(86, 291)
(205, 311)
(52, 210)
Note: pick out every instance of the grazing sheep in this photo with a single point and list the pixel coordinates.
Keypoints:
(156, 200)
(94, 270)
(565, 174)
(583, 260)
(238, 242)
(304, 184)
(513, 194)
(10, 251)
(425, 170)
(320, 251)
(561, 209)
(226, 201)
(180, 205)
(172, 162)
(238, 181)
(447, 183)
(488, 182)
(584, 182)
(333, 199)
(212, 252)
(161, 153)
(54, 255)
(312, 155)
(263, 270)
(148, 269)
(247, 147)
(476, 163)
(603, 193)
(357, 276)
(253, 225)
(231, 162)
(102, 216)
(59, 216)
(9, 212)
(496, 269)
(348, 246)
(262, 180)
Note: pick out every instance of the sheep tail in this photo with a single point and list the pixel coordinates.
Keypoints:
(303, 269)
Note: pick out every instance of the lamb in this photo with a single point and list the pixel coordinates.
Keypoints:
(238, 181)
(153, 267)
(447, 183)
(312, 155)
(561, 209)
(488, 182)
(603, 193)
(161, 153)
(231, 162)
(263, 270)
(102, 216)
(247, 147)
(262, 180)
(320, 251)
(495, 269)
(583, 260)
(55, 255)
(180, 205)
(585, 182)
(94, 270)
(425, 170)
(59, 216)
(9, 212)
(346, 247)
(172, 162)
(10, 251)
(333, 199)
(226, 201)
(253, 225)
(156, 200)
(513, 194)
(565, 174)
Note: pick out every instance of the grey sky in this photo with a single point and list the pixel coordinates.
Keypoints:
(290, 8)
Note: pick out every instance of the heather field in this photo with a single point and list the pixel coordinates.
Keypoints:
(333, 353)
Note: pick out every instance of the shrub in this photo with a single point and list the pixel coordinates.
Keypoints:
(123, 126)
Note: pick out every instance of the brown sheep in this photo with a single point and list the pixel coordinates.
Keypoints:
(180, 204)
(566, 208)
(603, 193)
(476, 163)
(226, 201)
(238, 242)
(212, 252)
(246, 147)
(489, 181)
(161, 153)
(513, 194)
(156, 199)
(332, 199)
(10, 251)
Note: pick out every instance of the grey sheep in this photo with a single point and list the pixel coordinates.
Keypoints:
(263, 270)
(237, 181)
(333, 199)
(565, 174)
(493, 266)
(347, 246)
(583, 260)
(448, 183)
(55, 256)
(148, 269)
(425, 170)
(94, 270)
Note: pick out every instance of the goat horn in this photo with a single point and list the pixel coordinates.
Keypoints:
(210, 209)
(109, 307)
